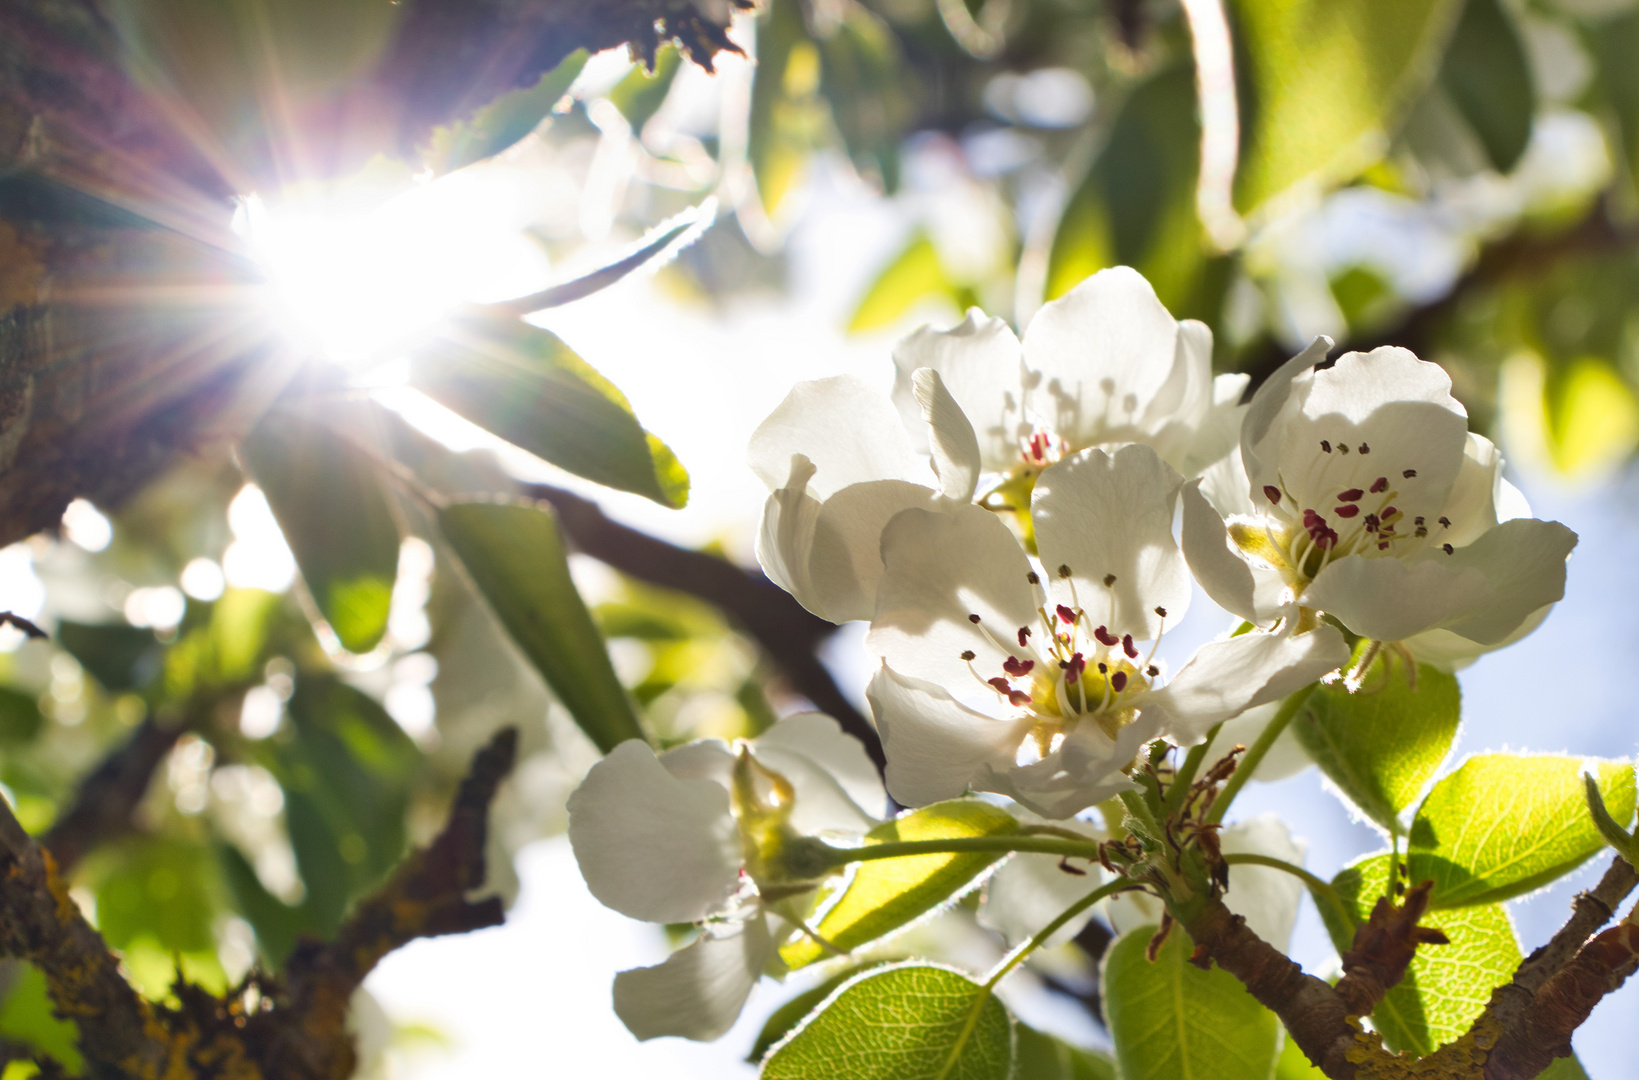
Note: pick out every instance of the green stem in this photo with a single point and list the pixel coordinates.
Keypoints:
(1319, 887)
(1185, 776)
(1254, 757)
(1018, 957)
(1044, 845)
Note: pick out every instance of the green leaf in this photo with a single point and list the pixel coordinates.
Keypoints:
(1565, 1068)
(788, 120)
(1382, 746)
(525, 385)
(903, 1023)
(336, 517)
(156, 887)
(1293, 1065)
(1447, 986)
(276, 923)
(1038, 1056)
(866, 84)
(28, 1016)
(1136, 205)
(641, 93)
(1170, 1019)
(20, 717)
(1503, 825)
(915, 274)
(118, 656)
(1614, 43)
(1324, 83)
(885, 894)
(1488, 77)
(503, 122)
(783, 1019)
(517, 559)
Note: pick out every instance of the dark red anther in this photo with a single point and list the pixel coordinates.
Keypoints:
(1352, 495)
(1016, 667)
(1073, 668)
(1371, 522)
(1272, 493)
(1382, 545)
(1389, 513)
(1024, 634)
(1380, 485)
(1066, 614)
(1313, 521)
(973, 619)
(1106, 638)
(1002, 685)
(1347, 511)
(1326, 540)
(1129, 648)
(1326, 445)
(1018, 698)
(1409, 474)
(1118, 681)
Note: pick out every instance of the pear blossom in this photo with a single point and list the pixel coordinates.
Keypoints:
(713, 834)
(1038, 680)
(1362, 494)
(1103, 365)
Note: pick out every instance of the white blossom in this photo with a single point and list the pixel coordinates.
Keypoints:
(1362, 494)
(703, 834)
(1038, 680)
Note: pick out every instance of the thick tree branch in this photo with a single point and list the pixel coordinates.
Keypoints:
(1564, 1001)
(780, 625)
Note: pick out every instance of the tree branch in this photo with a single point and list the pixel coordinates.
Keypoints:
(784, 629)
(110, 794)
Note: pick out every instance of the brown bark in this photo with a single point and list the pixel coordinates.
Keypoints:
(1383, 948)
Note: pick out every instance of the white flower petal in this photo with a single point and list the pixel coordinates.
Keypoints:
(698, 992)
(1225, 576)
(1471, 507)
(845, 555)
(650, 845)
(936, 746)
(1085, 770)
(1267, 898)
(980, 363)
(785, 538)
(1451, 653)
(701, 759)
(1186, 396)
(1101, 515)
(1523, 562)
(1269, 403)
(1225, 678)
(1030, 890)
(849, 431)
(1103, 352)
(1391, 600)
(940, 569)
(826, 769)
(1286, 755)
(951, 440)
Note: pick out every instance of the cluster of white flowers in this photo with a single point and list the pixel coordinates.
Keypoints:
(1005, 521)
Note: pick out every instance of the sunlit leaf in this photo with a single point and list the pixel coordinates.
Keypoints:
(885, 894)
(276, 923)
(517, 559)
(1324, 82)
(158, 887)
(1381, 746)
(503, 122)
(1293, 1065)
(1171, 1019)
(1503, 825)
(914, 275)
(783, 1019)
(1447, 986)
(336, 517)
(904, 1023)
(787, 120)
(1593, 417)
(27, 1016)
(1488, 76)
(641, 93)
(525, 385)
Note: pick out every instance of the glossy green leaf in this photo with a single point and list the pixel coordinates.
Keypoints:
(1503, 825)
(1382, 746)
(525, 385)
(907, 1022)
(1488, 77)
(641, 93)
(27, 1016)
(885, 894)
(516, 557)
(1324, 82)
(504, 121)
(1293, 1065)
(336, 517)
(1136, 205)
(1447, 986)
(914, 275)
(1170, 1019)
(1038, 1056)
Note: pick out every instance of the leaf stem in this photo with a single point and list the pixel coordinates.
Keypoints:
(1319, 887)
(1001, 845)
(1185, 776)
(1254, 757)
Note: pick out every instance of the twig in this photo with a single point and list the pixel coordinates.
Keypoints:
(110, 794)
(785, 630)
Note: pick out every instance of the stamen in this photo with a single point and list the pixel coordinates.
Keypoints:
(1105, 638)
(1380, 485)
(1064, 570)
(1447, 548)
(1343, 448)
(1391, 512)
(1364, 449)
(1409, 473)
(1073, 667)
(1024, 633)
(1347, 511)
(1066, 614)
(1272, 493)
(969, 655)
(1128, 647)
(1016, 667)
(974, 618)
(1326, 446)
(1445, 522)
(1422, 531)
(1109, 580)
(1352, 495)
(1152, 671)
(1161, 611)
(1118, 681)
(1103, 668)
(1033, 578)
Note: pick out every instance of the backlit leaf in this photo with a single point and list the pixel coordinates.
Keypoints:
(1294, 1065)
(525, 385)
(516, 557)
(335, 516)
(1488, 77)
(904, 1023)
(914, 275)
(1170, 1019)
(1502, 825)
(641, 93)
(1038, 1056)
(27, 1016)
(885, 894)
(502, 122)
(1324, 82)
(1381, 746)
